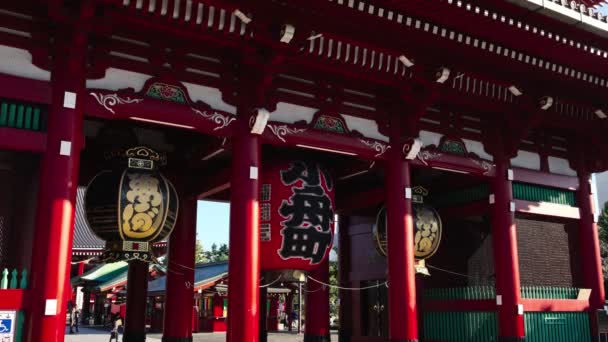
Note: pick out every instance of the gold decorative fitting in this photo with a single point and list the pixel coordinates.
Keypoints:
(418, 194)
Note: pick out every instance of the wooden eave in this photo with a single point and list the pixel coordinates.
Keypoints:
(463, 58)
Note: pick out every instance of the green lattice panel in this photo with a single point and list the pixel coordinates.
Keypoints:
(460, 293)
(21, 116)
(557, 326)
(537, 193)
(460, 326)
(548, 292)
(461, 196)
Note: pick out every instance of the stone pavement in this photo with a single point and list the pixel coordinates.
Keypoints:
(95, 335)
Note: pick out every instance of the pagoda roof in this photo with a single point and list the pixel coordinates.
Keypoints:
(84, 238)
(103, 273)
(204, 275)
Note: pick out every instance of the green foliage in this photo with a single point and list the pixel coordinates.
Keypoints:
(214, 255)
(217, 254)
(334, 303)
(603, 233)
(199, 253)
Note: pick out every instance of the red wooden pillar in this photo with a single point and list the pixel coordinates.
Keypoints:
(179, 300)
(590, 249)
(244, 264)
(57, 190)
(506, 259)
(402, 314)
(263, 315)
(137, 294)
(316, 327)
(80, 268)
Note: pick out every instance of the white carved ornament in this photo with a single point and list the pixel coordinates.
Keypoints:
(425, 156)
(110, 100)
(485, 165)
(221, 120)
(283, 130)
(377, 146)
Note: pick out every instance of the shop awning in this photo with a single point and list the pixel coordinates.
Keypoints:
(204, 274)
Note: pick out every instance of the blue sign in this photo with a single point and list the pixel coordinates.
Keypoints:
(6, 326)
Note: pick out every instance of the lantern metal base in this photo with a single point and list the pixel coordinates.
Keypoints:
(403, 340)
(316, 338)
(511, 339)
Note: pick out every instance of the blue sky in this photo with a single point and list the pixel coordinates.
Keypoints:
(212, 222)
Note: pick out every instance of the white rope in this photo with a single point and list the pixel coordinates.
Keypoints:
(448, 271)
(271, 283)
(348, 288)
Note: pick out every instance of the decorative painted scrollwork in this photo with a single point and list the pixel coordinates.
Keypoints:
(377, 146)
(280, 131)
(221, 120)
(425, 156)
(110, 100)
(485, 165)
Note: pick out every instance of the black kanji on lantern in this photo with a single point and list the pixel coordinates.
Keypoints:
(308, 213)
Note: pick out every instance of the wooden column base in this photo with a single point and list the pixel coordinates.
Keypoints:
(314, 338)
(177, 339)
(134, 337)
(263, 336)
(344, 336)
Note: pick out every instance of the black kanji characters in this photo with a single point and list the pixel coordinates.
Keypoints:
(307, 229)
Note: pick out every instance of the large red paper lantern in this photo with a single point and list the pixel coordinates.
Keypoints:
(296, 215)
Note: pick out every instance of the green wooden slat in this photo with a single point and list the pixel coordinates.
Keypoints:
(36, 120)
(20, 319)
(12, 113)
(3, 114)
(27, 124)
(537, 193)
(19, 117)
(557, 326)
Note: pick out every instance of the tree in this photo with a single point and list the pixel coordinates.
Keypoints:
(217, 254)
(199, 253)
(333, 291)
(603, 233)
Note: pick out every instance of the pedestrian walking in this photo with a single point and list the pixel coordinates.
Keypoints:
(73, 320)
(117, 324)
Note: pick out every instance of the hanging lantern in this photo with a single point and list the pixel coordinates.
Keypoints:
(296, 215)
(427, 229)
(131, 207)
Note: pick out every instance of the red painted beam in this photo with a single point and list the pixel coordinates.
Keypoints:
(460, 305)
(25, 89)
(546, 179)
(14, 299)
(121, 105)
(21, 140)
(555, 305)
(546, 209)
(530, 305)
(302, 136)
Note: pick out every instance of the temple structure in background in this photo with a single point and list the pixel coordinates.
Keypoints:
(453, 142)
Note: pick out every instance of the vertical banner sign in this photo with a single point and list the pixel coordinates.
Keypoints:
(7, 326)
(297, 215)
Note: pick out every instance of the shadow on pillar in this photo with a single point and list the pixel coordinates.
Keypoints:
(137, 292)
